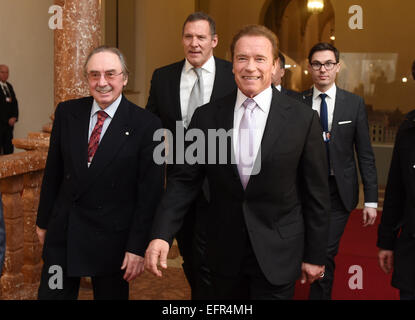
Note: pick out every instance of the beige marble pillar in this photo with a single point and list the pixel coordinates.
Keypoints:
(12, 278)
(81, 32)
(32, 249)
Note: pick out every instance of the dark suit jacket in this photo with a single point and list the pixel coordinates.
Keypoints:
(291, 93)
(164, 101)
(284, 227)
(94, 215)
(164, 98)
(8, 110)
(350, 133)
(397, 228)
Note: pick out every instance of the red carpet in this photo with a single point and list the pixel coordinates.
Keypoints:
(357, 248)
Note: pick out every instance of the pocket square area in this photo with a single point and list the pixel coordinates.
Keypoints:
(345, 122)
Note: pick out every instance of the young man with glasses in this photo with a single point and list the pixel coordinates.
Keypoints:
(345, 128)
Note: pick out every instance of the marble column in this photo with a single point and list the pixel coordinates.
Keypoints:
(81, 32)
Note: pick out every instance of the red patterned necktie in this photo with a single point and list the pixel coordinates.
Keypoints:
(96, 134)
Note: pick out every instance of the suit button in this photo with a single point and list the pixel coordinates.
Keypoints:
(68, 176)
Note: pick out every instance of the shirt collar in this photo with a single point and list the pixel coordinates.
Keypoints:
(278, 87)
(331, 93)
(263, 99)
(209, 65)
(110, 110)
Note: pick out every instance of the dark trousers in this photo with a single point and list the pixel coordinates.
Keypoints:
(321, 289)
(406, 295)
(185, 243)
(6, 136)
(111, 287)
(191, 240)
(249, 284)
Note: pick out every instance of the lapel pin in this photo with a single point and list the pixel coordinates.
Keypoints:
(127, 133)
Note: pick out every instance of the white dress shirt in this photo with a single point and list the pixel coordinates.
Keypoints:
(330, 100)
(110, 110)
(188, 79)
(263, 100)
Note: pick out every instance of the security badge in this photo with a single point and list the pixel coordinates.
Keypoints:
(326, 136)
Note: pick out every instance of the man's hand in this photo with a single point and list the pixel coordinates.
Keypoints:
(41, 234)
(12, 121)
(385, 258)
(133, 265)
(157, 249)
(369, 216)
(311, 272)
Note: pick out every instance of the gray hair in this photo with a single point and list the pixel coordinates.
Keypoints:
(113, 50)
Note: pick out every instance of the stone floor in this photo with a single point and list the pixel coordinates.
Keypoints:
(172, 286)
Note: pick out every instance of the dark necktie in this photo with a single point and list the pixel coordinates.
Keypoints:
(95, 135)
(6, 90)
(325, 124)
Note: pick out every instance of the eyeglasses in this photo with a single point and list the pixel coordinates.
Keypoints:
(108, 75)
(327, 65)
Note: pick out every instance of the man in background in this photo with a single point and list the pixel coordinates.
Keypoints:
(176, 91)
(279, 74)
(396, 233)
(345, 127)
(9, 111)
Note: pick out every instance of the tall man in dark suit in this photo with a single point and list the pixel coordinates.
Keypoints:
(9, 111)
(345, 130)
(263, 232)
(172, 98)
(279, 74)
(100, 187)
(396, 233)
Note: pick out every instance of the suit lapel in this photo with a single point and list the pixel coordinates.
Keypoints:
(275, 124)
(175, 90)
(308, 97)
(340, 107)
(224, 120)
(116, 135)
(79, 125)
(219, 81)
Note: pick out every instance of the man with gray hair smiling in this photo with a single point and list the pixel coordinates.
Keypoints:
(100, 187)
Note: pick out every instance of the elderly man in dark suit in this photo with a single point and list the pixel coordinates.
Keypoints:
(268, 214)
(176, 91)
(345, 127)
(396, 233)
(100, 187)
(9, 111)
